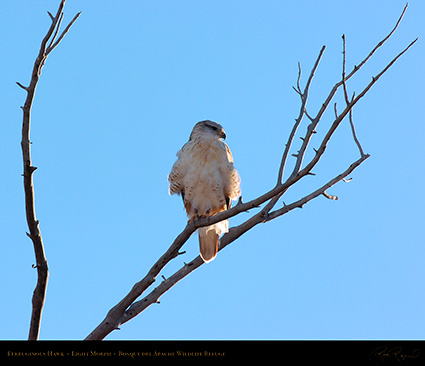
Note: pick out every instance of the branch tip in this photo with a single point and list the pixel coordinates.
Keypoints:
(31, 168)
(23, 87)
(330, 197)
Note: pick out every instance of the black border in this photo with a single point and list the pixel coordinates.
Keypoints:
(276, 352)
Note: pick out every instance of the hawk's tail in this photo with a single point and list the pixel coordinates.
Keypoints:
(208, 243)
(208, 239)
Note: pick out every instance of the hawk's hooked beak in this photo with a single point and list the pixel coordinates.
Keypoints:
(223, 135)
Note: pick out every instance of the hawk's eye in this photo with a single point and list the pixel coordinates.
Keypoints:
(213, 127)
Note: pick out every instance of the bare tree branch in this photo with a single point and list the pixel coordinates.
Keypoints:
(234, 233)
(33, 224)
(353, 130)
(356, 68)
(128, 307)
(344, 83)
(304, 97)
(65, 31)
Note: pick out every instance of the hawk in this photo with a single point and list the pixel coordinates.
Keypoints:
(207, 181)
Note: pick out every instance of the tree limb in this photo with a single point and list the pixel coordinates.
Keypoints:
(234, 233)
(33, 224)
(128, 308)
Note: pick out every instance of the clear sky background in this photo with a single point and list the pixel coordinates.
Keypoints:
(119, 97)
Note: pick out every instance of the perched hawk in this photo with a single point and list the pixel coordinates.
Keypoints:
(207, 181)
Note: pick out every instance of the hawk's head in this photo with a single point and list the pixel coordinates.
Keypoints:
(208, 128)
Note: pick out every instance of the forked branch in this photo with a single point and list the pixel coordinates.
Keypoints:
(129, 306)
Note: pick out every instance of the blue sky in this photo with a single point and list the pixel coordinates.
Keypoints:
(118, 98)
